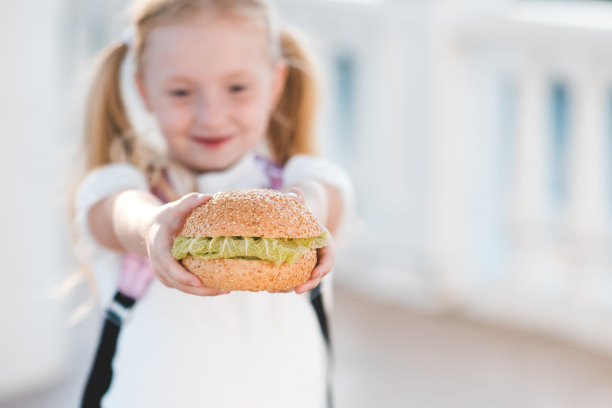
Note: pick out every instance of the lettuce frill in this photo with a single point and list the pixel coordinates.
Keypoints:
(276, 250)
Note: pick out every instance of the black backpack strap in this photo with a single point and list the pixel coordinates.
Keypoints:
(316, 300)
(101, 372)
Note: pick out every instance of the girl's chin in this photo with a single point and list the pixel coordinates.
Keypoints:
(215, 164)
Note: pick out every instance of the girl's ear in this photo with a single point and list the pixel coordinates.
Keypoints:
(278, 82)
(142, 91)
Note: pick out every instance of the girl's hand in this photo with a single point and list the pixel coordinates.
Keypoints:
(325, 256)
(325, 263)
(165, 225)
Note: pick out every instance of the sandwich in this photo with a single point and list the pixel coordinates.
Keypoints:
(250, 240)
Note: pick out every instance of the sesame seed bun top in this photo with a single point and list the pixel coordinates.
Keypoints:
(252, 213)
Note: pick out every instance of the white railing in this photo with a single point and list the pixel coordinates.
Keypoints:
(456, 99)
(559, 278)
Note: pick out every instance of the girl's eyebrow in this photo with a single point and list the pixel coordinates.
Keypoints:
(235, 74)
(179, 79)
(240, 74)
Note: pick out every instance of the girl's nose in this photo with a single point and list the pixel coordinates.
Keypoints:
(210, 112)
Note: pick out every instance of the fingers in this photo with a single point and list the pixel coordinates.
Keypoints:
(308, 286)
(168, 270)
(199, 291)
(178, 274)
(173, 275)
(297, 193)
(183, 207)
(202, 291)
(325, 263)
(326, 257)
(190, 201)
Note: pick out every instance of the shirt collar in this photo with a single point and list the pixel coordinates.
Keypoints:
(245, 173)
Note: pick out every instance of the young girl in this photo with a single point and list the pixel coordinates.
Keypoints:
(222, 82)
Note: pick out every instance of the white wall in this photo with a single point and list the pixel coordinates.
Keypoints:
(33, 249)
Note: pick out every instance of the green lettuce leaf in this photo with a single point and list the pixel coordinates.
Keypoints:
(277, 250)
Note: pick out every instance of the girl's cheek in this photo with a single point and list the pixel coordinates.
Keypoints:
(253, 110)
(173, 119)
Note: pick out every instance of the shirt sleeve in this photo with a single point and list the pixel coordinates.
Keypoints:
(302, 168)
(99, 184)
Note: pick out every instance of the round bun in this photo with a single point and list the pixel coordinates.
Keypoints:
(252, 213)
(254, 276)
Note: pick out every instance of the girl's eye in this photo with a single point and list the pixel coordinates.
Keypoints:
(180, 93)
(237, 88)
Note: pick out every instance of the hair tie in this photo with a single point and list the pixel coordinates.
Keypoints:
(274, 32)
(143, 123)
(127, 36)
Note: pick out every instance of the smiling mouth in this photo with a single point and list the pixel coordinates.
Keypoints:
(212, 142)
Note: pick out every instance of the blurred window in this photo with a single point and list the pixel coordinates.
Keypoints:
(559, 126)
(344, 68)
(609, 146)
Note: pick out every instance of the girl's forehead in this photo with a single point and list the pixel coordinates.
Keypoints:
(206, 44)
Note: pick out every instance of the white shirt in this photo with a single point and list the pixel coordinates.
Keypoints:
(238, 350)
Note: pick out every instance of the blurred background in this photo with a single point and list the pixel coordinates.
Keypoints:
(479, 137)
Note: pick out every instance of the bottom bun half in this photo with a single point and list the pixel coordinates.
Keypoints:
(252, 275)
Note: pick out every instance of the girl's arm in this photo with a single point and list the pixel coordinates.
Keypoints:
(136, 221)
(119, 221)
(324, 201)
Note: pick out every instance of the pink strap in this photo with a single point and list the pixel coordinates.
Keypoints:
(135, 276)
(273, 171)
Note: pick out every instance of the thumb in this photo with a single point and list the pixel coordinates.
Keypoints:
(297, 193)
(182, 207)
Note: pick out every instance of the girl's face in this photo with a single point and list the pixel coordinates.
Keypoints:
(211, 84)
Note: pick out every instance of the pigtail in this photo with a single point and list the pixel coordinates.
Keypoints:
(106, 124)
(292, 126)
(110, 137)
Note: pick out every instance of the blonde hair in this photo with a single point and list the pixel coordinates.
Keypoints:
(109, 135)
